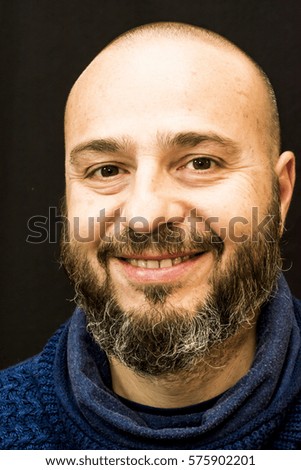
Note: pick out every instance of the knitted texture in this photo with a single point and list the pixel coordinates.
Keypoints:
(38, 411)
(24, 411)
(32, 417)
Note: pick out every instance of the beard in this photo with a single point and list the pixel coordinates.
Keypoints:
(159, 338)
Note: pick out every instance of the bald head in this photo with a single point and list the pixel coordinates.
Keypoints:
(148, 43)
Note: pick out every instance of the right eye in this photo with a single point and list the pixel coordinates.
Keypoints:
(106, 171)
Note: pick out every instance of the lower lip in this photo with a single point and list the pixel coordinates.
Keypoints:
(171, 274)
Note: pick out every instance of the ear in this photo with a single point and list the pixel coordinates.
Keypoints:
(285, 170)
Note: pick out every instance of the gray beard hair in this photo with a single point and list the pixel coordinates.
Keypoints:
(165, 340)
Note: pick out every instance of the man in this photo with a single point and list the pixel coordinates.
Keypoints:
(186, 335)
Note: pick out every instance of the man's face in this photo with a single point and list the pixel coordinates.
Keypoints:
(172, 139)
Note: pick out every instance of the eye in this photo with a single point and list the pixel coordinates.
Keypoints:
(200, 163)
(107, 171)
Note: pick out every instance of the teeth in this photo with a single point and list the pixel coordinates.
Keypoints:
(141, 263)
(133, 262)
(165, 263)
(149, 264)
(155, 264)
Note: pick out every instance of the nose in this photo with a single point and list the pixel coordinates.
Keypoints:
(153, 199)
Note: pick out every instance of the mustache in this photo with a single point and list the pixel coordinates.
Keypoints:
(166, 239)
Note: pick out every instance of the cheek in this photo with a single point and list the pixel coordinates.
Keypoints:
(89, 214)
(232, 211)
(83, 222)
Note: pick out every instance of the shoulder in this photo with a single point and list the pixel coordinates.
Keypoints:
(20, 406)
(17, 380)
(297, 311)
(297, 306)
(290, 433)
(24, 415)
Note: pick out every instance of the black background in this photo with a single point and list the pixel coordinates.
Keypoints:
(45, 45)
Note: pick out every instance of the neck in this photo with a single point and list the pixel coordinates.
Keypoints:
(209, 378)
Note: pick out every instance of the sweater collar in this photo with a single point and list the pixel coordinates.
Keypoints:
(255, 403)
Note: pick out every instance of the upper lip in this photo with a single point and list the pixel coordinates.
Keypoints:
(160, 256)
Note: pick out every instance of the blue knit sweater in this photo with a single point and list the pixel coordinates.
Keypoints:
(62, 399)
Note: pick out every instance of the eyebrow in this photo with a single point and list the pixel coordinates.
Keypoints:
(193, 139)
(109, 145)
(114, 145)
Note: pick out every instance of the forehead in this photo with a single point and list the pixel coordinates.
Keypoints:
(163, 86)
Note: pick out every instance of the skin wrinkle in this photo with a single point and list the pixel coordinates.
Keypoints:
(200, 328)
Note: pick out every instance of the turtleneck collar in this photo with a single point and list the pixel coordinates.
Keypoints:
(249, 411)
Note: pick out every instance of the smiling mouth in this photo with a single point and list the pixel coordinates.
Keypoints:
(160, 263)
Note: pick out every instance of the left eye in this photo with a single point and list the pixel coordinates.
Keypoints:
(200, 163)
(108, 171)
